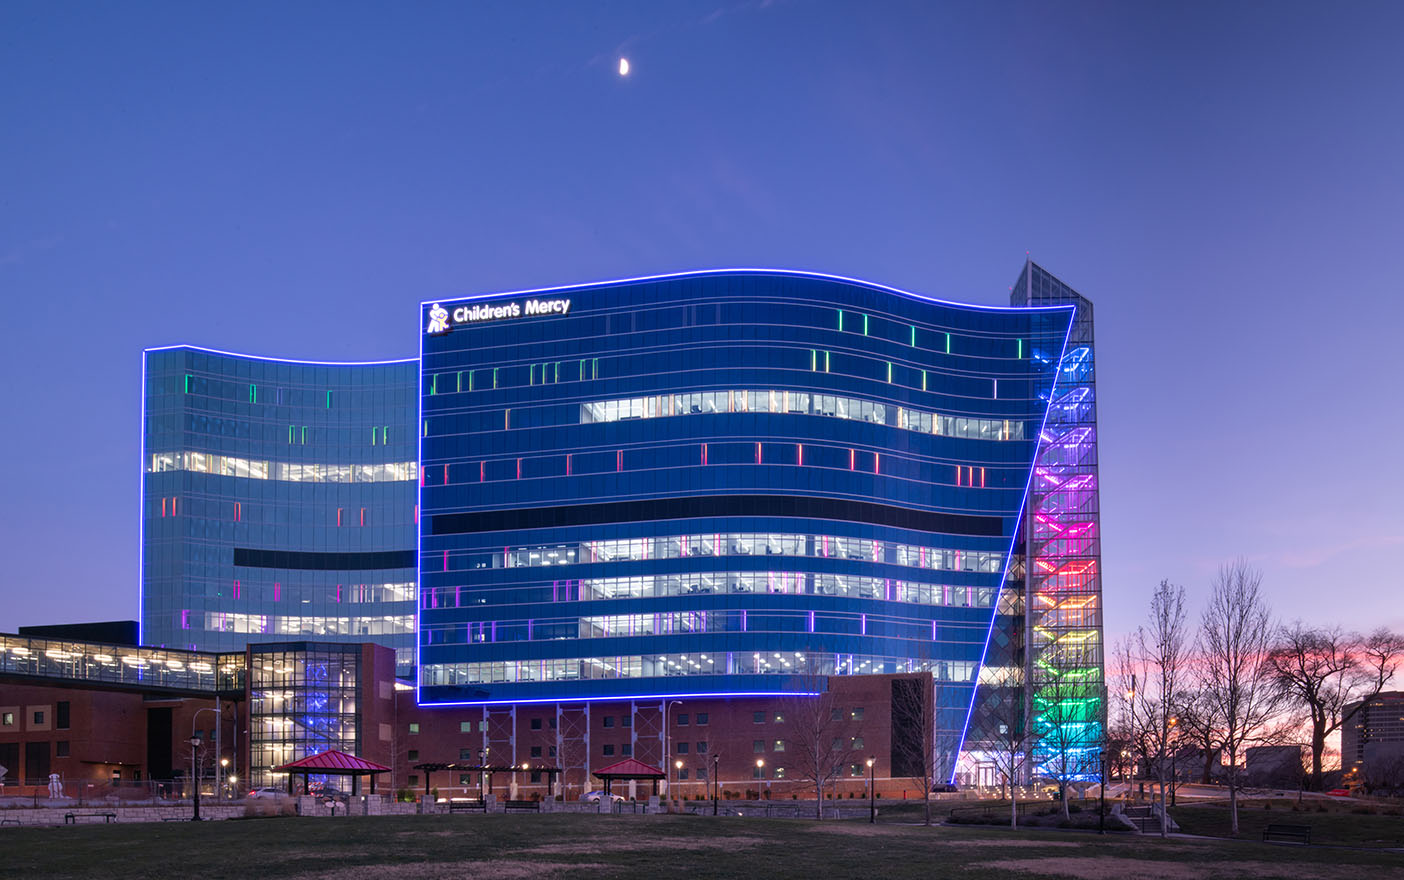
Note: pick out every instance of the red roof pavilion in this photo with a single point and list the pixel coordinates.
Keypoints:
(629, 768)
(333, 763)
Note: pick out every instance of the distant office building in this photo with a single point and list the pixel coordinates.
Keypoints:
(278, 501)
(1373, 733)
(738, 484)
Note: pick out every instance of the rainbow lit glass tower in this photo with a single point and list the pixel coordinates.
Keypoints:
(1063, 663)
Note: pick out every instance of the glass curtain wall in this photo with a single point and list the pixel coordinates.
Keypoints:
(303, 699)
(720, 483)
(278, 501)
(1062, 544)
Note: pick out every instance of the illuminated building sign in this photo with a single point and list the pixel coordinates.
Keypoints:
(440, 321)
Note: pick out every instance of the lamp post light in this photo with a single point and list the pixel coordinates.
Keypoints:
(195, 772)
(1131, 695)
(667, 742)
(872, 795)
(1173, 749)
(716, 782)
(1102, 816)
(195, 768)
(482, 774)
(228, 780)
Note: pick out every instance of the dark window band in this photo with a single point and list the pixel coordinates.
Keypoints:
(251, 558)
(716, 505)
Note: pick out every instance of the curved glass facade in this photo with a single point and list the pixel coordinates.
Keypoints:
(720, 483)
(278, 501)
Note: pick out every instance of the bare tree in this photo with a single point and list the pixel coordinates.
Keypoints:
(1235, 637)
(1199, 726)
(1067, 712)
(914, 751)
(1011, 740)
(1324, 670)
(1162, 642)
(817, 740)
(1384, 774)
(1127, 672)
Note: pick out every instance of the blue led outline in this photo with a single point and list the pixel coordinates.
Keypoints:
(1033, 466)
(602, 699)
(259, 357)
(696, 273)
(141, 518)
(419, 518)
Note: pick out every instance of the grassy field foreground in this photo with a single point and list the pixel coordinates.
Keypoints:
(522, 847)
(1335, 824)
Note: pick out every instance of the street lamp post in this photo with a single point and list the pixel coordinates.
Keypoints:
(1102, 817)
(228, 780)
(195, 772)
(1131, 695)
(1173, 749)
(482, 774)
(760, 774)
(872, 795)
(195, 768)
(668, 742)
(716, 783)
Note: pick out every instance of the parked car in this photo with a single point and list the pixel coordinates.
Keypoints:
(594, 797)
(1339, 792)
(268, 793)
(325, 791)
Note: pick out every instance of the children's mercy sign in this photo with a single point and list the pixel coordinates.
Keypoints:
(441, 321)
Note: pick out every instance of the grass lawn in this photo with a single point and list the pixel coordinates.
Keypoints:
(1337, 826)
(520, 847)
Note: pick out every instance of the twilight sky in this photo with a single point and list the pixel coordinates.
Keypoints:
(1223, 180)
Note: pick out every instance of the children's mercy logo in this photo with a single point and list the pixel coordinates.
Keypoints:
(439, 318)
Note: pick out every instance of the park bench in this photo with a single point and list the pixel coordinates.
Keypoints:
(72, 818)
(1294, 833)
(479, 805)
(521, 806)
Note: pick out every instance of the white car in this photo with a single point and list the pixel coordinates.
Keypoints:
(594, 797)
(268, 793)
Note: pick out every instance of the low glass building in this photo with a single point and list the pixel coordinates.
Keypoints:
(278, 501)
(721, 483)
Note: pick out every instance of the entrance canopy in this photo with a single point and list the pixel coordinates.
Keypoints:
(332, 763)
(629, 769)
